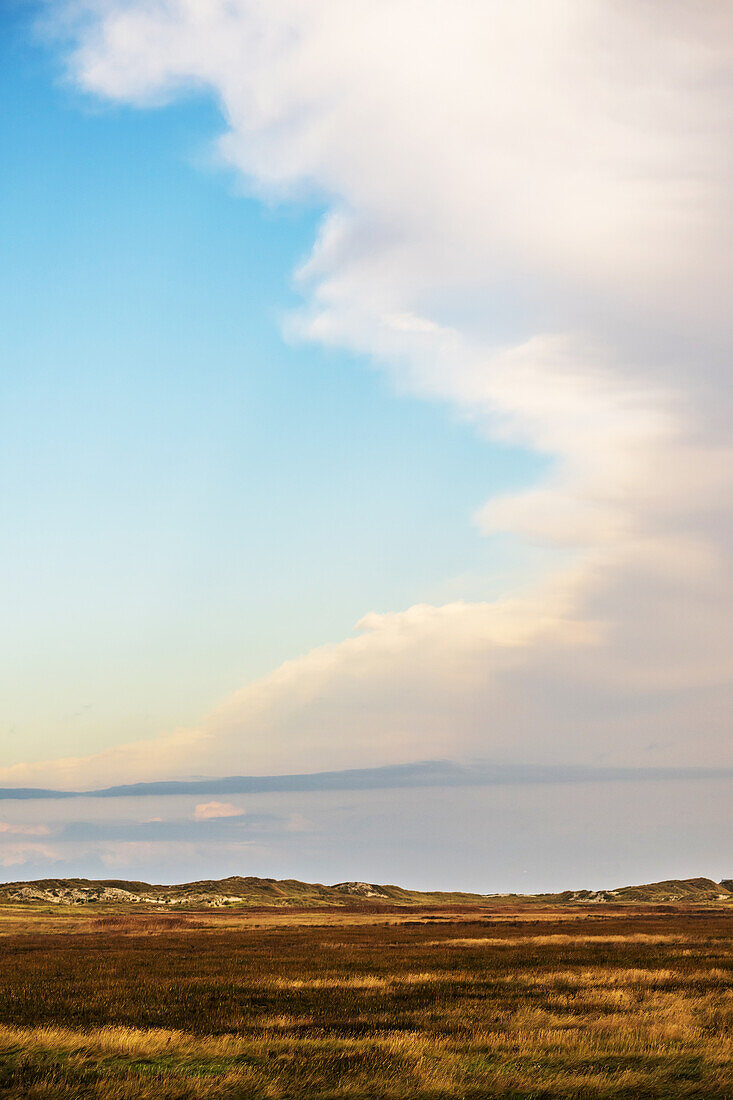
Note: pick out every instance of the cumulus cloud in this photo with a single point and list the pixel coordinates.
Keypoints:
(206, 811)
(529, 219)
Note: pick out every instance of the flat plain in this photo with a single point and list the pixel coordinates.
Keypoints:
(366, 1001)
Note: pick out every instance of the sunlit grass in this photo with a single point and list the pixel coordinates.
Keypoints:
(560, 940)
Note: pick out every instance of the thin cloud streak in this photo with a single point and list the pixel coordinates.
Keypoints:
(429, 773)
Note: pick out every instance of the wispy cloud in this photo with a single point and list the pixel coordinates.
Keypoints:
(16, 855)
(8, 829)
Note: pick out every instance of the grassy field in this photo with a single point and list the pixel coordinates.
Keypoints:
(601, 1001)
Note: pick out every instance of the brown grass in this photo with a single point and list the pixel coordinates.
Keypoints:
(128, 1006)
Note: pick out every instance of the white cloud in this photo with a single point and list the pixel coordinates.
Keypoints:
(530, 220)
(205, 811)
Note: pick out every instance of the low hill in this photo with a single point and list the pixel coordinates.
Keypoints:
(698, 891)
(290, 892)
(228, 891)
(689, 889)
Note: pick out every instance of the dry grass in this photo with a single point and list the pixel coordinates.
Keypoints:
(634, 1006)
(558, 940)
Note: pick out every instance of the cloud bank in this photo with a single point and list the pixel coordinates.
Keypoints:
(528, 219)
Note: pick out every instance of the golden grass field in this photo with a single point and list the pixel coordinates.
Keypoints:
(524, 1002)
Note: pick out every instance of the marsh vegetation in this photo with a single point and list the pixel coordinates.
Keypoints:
(589, 1003)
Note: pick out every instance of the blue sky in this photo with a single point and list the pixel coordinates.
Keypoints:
(189, 498)
(361, 404)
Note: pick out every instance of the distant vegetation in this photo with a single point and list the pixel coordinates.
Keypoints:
(368, 1000)
(290, 892)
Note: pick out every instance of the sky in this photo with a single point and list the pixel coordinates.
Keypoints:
(365, 400)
